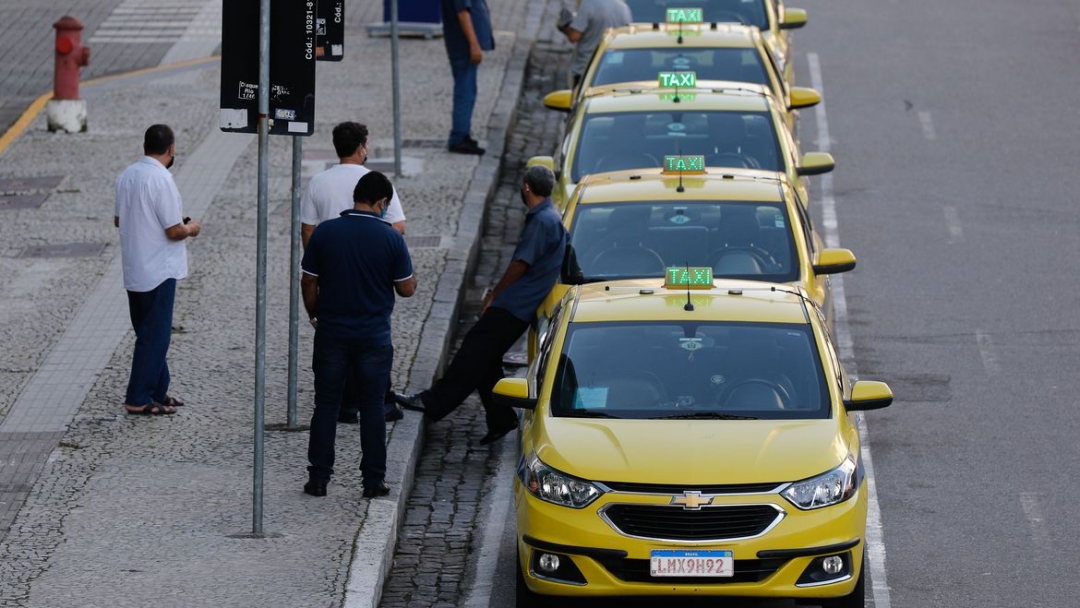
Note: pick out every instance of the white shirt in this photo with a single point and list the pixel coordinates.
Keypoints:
(331, 192)
(148, 202)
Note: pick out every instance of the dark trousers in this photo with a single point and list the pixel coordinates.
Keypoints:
(151, 317)
(333, 360)
(464, 72)
(350, 401)
(477, 366)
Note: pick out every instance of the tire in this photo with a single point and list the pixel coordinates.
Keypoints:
(857, 597)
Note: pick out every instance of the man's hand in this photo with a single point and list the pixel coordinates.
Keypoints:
(475, 54)
(194, 228)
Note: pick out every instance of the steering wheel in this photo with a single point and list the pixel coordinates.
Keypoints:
(733, 159)
(623, 159)
(757, 384)
(762, 257)
(728, 17)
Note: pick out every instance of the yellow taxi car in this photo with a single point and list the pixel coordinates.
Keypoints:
(690, 437)
(770, 16)
(634, 56)
(741, 127)
(740, 223)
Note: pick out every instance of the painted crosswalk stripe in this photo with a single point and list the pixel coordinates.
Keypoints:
(149, 22)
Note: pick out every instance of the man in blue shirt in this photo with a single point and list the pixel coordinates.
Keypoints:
(505, 315)
(352, 267)
(467, 33)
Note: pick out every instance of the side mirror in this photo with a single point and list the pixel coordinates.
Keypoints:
(867, 395)
(513, 392)
(816, 163)
(834, 261)
(794, 18)
(543, 161)
(559, 100)
(802, 97)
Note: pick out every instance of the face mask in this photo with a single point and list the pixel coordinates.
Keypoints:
(385, 208)
(172, 159)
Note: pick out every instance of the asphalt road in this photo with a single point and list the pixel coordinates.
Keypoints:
(956, 145)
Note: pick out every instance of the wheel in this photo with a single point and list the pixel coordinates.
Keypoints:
(857, 597)
(523, 596)
(768, 395)
(764, 261)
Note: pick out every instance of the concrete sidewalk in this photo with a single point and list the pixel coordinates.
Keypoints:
(101, 509)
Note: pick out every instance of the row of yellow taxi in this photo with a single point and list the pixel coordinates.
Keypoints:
(689, 427)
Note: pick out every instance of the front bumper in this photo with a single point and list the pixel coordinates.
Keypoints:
(782, 561)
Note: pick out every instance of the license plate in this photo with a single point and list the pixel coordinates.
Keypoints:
(692, 563)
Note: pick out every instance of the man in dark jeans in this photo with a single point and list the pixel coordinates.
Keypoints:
(467, 33)
(352, 266)
(506, 314)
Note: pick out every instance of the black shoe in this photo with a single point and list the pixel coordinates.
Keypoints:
(315, 487)
(494, 435)
(377, 490)
(466, 147)
(411, 402)
(348, 417)
(392, 412)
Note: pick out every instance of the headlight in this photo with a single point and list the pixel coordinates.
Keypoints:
(550, 485)
(830, 488)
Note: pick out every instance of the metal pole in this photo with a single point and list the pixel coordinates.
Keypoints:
(260, 264)
(294, 281)
(397, 92)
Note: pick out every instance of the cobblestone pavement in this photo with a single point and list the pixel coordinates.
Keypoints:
(438, 537)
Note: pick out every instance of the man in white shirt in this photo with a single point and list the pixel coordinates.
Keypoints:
(587, 27)
(328, 195)
(153, 228)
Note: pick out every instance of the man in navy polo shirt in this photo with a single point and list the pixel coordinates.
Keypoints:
(352, 266)
(506, 314)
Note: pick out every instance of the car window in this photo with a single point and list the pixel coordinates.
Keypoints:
(747, 12)
(640, 140)
(645, 370)
(631, 65)
(637, 240)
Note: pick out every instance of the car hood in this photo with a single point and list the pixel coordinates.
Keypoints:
(690, 451)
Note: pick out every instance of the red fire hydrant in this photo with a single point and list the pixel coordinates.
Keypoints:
(66, 111)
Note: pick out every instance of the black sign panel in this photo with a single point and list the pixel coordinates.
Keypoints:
(292, 66)
(330, 30)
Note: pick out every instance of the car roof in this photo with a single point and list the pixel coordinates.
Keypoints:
(717, 184)
(729, 300)
(741, 97)
(664, 35)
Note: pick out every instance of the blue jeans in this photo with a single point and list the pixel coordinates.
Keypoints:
(333, 359)
(464, 72)
(151, 317)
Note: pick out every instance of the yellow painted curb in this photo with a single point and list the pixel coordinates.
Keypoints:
(35, 108)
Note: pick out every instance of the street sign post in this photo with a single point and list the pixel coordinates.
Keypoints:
(330, 30)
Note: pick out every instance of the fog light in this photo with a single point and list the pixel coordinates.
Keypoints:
(548, 562)
(831, 565)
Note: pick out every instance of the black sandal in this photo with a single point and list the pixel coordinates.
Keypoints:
(172, 402)
(153, 409)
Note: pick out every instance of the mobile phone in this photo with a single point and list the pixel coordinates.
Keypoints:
(187, 219)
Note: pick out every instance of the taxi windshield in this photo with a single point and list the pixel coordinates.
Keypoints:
(640, 140)
(638, 240)
(633, 65)
(747, 12)
(672, 370)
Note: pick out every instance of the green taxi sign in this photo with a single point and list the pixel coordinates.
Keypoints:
(685, 163)
(678, 80)
(685, 15)
(677, 97)
(688, 277)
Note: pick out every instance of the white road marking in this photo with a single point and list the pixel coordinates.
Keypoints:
(1029, 502)
(150, 22)
(875, 542)
(927, 126)
(988, 353)
(952, 223)
(499, 503)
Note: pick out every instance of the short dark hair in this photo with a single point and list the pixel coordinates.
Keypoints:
(374, 186)
(157, 140)
(540, 180)
(348, 136)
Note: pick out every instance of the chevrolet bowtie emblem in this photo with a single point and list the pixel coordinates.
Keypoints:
(691, 500)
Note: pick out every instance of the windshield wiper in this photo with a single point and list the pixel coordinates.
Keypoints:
(587, 414)
(705, 416)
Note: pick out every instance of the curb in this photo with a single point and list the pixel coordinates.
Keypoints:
(376, 541)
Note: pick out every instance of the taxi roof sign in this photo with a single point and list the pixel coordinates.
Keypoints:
(685, 15)
(683, 80)
(688, 277)
(685, 163)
